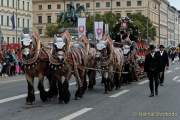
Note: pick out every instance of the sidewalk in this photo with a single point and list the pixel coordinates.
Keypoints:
(16, 77)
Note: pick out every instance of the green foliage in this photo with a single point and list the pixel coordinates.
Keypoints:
(140, 21)
(51, 29)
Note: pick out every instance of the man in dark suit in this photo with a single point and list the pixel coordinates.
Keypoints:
(151, 67)
(164, 62)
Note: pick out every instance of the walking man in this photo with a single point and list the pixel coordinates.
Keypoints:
(151, 67)
(164, 62)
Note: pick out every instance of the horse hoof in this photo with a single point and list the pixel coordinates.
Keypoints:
(30, 103)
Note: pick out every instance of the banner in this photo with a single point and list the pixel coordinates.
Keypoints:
(98, 26)
(106, 28)
(81, 26)
(13, 20)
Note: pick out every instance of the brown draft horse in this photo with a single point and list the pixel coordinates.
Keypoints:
(67, 60)
(35, 64)
(91, 58)
(110, 60)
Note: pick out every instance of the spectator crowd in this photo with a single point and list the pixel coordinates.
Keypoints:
(10, 62)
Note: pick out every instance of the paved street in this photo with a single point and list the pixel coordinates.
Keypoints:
(129, 103)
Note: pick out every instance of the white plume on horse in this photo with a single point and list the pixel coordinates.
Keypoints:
(59, 42)
(26, 39)
(101, 45)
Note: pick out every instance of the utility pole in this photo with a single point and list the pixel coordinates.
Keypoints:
(16, 21)
(111, 6)
(147, 22)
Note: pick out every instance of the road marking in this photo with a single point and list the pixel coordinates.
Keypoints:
(168, 71)
(143, 82)
(76, 114)
(176, 77)
(23, 95)
(10, 81)
(119, 93)
(178, 81)
(177, 68)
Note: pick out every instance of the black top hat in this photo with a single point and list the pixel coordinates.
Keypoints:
(161, 46)
(151, 47)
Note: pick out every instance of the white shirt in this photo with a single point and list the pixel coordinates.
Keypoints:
(152, 54)
(161, 52)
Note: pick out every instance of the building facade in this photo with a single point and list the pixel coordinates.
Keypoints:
(163, 16)
(171, 26)
(164, 22)
(23, 20)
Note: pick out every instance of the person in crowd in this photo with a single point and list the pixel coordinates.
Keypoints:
(151, 67)
(164, 62)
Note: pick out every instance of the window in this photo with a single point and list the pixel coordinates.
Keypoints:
(68, 6)
(40, 19)
(40, 7)
(18, 39)
(8, 40)
(77, 5)
(7, 3)
(118, 4)
(97, 4)
(139, 3)
(18, 4)
(118, 15)
(107, 4)
(58, 6)
(128, 14)
(27, 23)
(7, 20)
(128, 3)
(23, 5)
(13, 3)
(13, 39)
(40, 31)
(87, 5)
(49, 7)
(28, 6)
(2, 2)
(18, 22)
(2, 20)
(23, 22)
(49, 19)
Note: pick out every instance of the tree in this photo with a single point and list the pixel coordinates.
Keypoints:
(51, 29)
(140, 22)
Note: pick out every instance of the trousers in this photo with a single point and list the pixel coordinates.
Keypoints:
(153, 81)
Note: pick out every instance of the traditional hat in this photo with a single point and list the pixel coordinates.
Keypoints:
(161, 46)
(151, 47)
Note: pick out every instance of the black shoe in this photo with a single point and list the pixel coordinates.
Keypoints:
(151, 95)
(156, 93)
(161, 84)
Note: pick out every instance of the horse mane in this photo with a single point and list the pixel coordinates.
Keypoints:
(36, 37)
(67, 35)
(85, 41)
(109, 43)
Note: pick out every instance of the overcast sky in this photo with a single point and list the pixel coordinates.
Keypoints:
(175, 3)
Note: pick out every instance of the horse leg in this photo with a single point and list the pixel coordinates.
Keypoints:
(80, 83)
(53, 90)
(43, 93)
(60, 90)
(105, 81)
(92, 78)
(30, 97)
(65, 88)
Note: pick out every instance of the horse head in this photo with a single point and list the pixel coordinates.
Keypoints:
(30, 44)
(61, 46)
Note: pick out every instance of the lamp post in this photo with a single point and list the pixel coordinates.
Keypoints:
(147, 22)
(16, 21)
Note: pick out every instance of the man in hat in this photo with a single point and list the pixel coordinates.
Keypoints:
(151, 67)
(164, 62)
